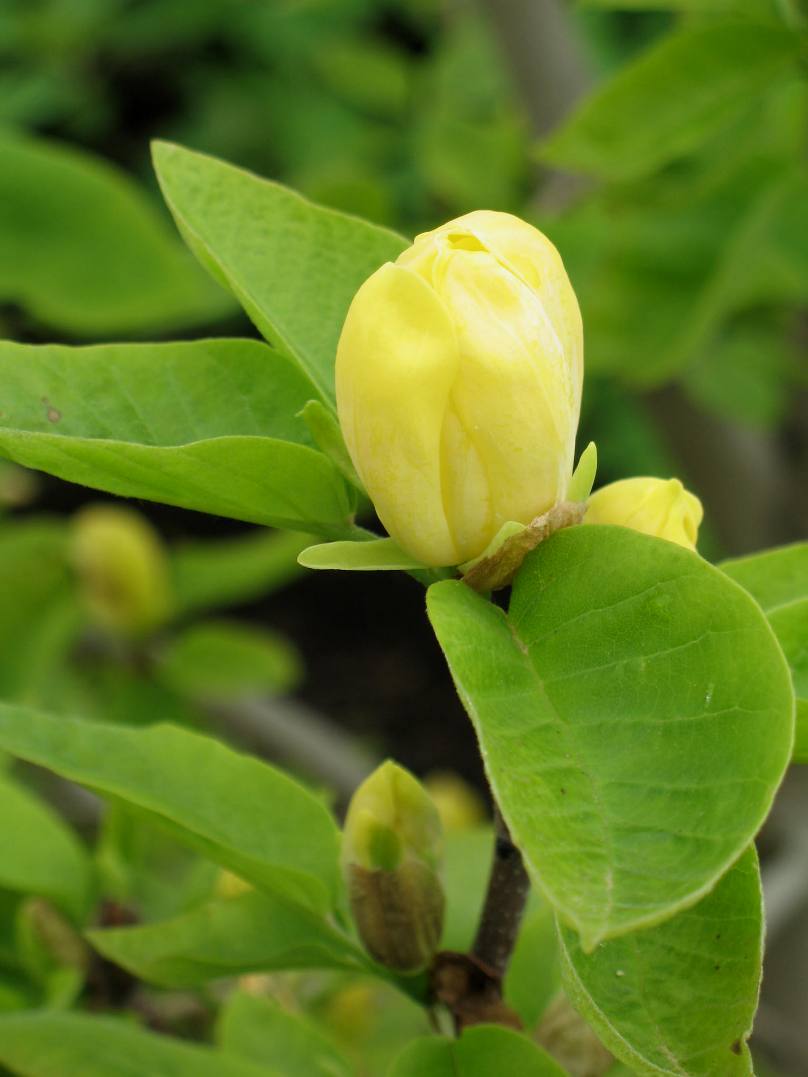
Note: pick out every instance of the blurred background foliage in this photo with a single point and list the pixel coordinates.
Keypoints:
(660, 143)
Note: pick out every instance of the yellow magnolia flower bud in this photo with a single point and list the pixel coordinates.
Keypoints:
(459, 805)
(459, 374)
(123, 569)
(390, 854)
(660, 507)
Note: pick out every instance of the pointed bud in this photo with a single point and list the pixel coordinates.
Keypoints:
(390, 854)
(459, 805)
(123, 569)
(660, 507)
(458, 377)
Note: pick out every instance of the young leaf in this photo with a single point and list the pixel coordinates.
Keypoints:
(83, 249)
(293, 266)
(672, 99)
(635, 717)
(483, 1051)
(41, 1044)
(375, 555)
(207, 425)
(258, 1029)
(253, 932)
(778, 580)
(41, 855)
(240, 812)
(678, 999)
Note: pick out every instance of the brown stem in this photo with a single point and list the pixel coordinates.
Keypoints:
(508, 887)
(470, 985)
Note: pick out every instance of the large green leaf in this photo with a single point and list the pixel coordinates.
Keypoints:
(241, 812)
(678, 999)
(294, 266)
(634, 713)
(207, 425)
(258, 1029)
(672, 99)
(253, 932)
(41, 855)
(483, 1051)
(83, 249)
(778, 580)
(77, 1045)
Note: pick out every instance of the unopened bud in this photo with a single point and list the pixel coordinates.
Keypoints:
(391, 852)
(123, 569)
(660, 507)
(459, 805)
(48, 941)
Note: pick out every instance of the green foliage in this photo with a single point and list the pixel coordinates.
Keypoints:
(41, 855)
(678, 998)
(257, 1029)
(226, 937)
(672, 99)
(778, 580)
(209, 425)
(589, 758)
(187, 780)
(78, 1045)
(292, 265)
(82, 248)
(479, 1051)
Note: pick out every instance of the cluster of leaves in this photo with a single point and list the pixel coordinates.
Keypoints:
(689, 254)
(634, 710)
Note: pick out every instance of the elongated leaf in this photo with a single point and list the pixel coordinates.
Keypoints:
(778, 580)
(228, 659)
(41, 855)
(83, 249)
(39, 616)
(376, 555)
(258, 1029)
(635, 717)
(678, 999)
(225, 572)
(77, 1045)
(670, 100)
(207, 425)
(254, 932)
(483, 1051)
(293, 266)
(240, 812)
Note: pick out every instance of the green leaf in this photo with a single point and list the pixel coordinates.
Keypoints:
(228, 659)
(207, 425)
(678, 999)
(482, 1051)
(226, 572)
(294, 266)
(375, 555)
(253, 932)
(327, 436)
(583, 478)
(41, 855)
(635, 717)
(240, 812)
(748, 8)
(83, 249)
(672, 99)
(39, 615)
(778, 580)
(77, 1045)
(258, 1029)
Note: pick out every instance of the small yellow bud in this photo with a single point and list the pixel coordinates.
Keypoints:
(459, 374)
(123, 569)
(390, 855)
(660, 507)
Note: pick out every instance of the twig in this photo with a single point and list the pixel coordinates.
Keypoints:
(505, 899)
